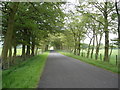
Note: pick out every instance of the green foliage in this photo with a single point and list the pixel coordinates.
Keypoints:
(25, 75)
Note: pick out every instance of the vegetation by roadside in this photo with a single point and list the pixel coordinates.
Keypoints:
(26, 74)
(98, 63)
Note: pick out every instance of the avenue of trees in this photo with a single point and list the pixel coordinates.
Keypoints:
(95, 21)
(28, 24)
(38, 25)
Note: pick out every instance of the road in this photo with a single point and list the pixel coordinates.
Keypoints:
(65, 72)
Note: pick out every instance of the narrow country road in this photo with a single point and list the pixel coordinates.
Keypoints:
(65, 72)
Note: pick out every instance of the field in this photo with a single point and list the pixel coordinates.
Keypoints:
(19, 51)
(112, 58)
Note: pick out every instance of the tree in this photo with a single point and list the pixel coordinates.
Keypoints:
(9, 33)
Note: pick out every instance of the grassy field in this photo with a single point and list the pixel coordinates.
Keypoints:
(19, 51)
(99, 63)
(25, 75)
(112, 58)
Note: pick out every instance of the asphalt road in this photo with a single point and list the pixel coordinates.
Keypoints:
(65, 72)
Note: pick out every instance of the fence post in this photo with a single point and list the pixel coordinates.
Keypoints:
(100, 56)
(116, 60)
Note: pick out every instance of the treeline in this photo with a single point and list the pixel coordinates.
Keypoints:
(28, 25)
(91, 20)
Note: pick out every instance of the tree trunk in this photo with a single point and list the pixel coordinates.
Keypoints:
(118, 14)
(9, 33)
(14, 55)
(28, 50)
(79, 49)
(75, 50)
(117, 10)
(98, 47)
(10, 57)
(93, 47)
(46, 48)
(79, 46)
(106, 53)
(111, 52)
(15, 51)
(33, 49)
(36, 51)
(88, 52)
(23, 52)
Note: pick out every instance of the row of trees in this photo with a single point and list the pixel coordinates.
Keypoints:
(28, 25)
(93, 20)
(34, 25)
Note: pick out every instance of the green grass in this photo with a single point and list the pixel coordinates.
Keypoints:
(0, 79)
(98, 63)
(25, 75)
(112, 58)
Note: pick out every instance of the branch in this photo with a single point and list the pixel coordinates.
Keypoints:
(96, 20)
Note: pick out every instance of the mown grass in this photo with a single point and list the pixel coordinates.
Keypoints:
(25, 75)
(98, 63)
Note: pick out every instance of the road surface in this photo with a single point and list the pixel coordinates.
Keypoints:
(65, 72)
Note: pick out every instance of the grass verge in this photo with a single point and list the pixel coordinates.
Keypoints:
(25, 75)
(101, 64)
